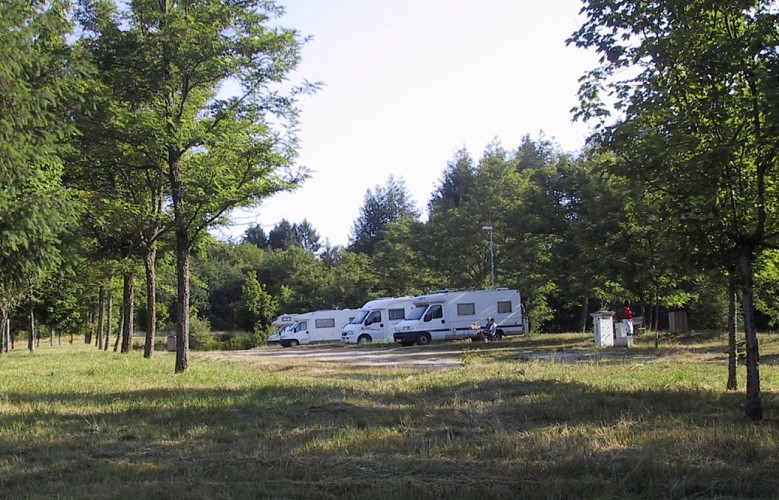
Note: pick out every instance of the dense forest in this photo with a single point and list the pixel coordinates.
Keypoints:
(119, 154)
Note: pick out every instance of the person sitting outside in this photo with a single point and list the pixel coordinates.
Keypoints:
(492, 329)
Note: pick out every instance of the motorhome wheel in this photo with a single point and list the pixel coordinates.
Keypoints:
(423, 339)
(364, 339)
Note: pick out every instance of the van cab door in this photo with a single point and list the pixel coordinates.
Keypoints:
(434, 319)
(374, 322)
(301, 332)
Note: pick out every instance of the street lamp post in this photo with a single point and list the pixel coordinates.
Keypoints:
(492, 254)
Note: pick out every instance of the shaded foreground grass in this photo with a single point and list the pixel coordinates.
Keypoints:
(84, 424)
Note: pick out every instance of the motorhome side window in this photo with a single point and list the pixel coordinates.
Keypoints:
(504, 307)
(303, 325)
(434, 312)
(324, 323)
(466, 309)
(374, 317)
(396, 314)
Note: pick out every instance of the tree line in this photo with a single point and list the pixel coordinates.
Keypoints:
(120, 151)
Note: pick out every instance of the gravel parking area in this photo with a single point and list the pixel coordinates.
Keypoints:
(441, 355)
(384, 355)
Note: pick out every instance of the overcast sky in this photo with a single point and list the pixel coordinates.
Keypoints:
(409, 82)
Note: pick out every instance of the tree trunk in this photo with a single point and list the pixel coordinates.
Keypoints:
(110, 319)
(151, 300)
(655, 317)
(732, 384)
(88, 334)
(754, 407)
(101, 317)
(182, 306)
(127, 327)
(119, 328)
(3, 330)
(583, 314)
(31, 322)
(182, 262)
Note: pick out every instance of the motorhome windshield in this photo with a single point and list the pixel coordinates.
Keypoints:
(360, 317)
(417, 312)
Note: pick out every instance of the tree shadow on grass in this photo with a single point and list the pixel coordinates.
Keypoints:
(495, 437)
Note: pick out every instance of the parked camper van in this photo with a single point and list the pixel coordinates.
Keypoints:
(317, 326)
(280, 324)
(375, 320)
(450, 315)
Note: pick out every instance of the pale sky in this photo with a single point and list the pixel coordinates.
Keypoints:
(409, 82)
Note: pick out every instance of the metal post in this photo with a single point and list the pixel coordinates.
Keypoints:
(492, 254)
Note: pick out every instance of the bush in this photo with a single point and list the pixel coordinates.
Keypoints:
(262, 334)
(200, 336)
(242, 342)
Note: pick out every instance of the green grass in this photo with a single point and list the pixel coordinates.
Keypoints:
(78, 423)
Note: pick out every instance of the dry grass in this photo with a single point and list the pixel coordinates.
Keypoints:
(517, 419)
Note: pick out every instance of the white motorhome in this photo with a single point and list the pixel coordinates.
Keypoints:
(317, 326)
(450, 315)
(375, 320)
(281, 323)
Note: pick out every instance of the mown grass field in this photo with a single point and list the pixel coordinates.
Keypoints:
(646, 423)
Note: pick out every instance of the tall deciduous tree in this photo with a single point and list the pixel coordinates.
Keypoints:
(349, 280)
(218, 149)
(125, 183)
(696, 84)
(469, 197)
(400, 265)
(456, 247)
(225, 268)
